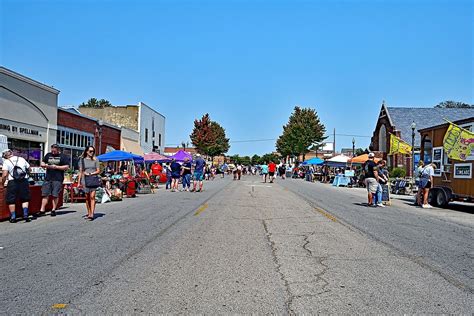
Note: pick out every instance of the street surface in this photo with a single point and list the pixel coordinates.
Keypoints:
(241, 247)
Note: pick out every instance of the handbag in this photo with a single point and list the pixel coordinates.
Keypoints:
(90, 181)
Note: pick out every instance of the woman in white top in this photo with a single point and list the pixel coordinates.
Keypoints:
(426, 182)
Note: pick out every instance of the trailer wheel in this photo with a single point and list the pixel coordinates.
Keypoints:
(432, 197)
(441, 198)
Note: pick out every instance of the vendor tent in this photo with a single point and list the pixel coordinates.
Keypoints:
(339, 158)
(118, 155)
(152, 157)
(313, 161)
(361, 159)
(181, 155)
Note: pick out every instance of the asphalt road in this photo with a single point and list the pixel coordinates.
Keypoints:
(241, 247)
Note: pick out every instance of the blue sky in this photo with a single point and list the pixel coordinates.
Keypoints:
(247, 63)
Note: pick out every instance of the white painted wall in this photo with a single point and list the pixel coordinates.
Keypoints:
(149, 118)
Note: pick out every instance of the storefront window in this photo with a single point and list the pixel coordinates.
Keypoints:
(31, 151)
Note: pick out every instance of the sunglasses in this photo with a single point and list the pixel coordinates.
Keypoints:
(91, 151)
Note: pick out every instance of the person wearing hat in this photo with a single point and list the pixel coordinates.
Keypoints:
(371, 178)
(16, 170)
(55, 164)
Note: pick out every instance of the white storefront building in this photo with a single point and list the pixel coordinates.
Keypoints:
(28, 115)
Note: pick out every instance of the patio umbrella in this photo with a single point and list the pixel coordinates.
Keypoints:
(152, 157)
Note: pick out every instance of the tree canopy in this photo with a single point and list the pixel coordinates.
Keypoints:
(209, 137)
(94, 103)
(302, 130)
(453, 105)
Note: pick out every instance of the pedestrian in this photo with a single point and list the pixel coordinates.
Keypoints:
(264, 167)
(383, 179)
(426, 182)
(282, 171)
(89, 180)
(175, 175)
(418, 173)
(271, 171)
(224, 168)
(55, 164)
(239, 171)
(186, 174)
(371, 178)
(199, 166)
(168, 176)
(16, 171)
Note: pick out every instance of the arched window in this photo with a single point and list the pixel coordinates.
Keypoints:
(383, 138)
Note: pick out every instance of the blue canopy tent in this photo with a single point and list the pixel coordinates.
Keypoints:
(118, 155)
(313, 161)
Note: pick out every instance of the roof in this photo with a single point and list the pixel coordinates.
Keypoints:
(402, 118)
(459, 122)
(33, 82)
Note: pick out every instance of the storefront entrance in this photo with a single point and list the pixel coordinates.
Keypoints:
(31, 151)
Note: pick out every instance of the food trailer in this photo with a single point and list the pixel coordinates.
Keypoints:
(453, 179)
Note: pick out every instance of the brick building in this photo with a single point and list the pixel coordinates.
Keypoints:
(398, 121)
(76, 131)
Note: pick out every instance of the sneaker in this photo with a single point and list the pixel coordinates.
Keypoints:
(27, 219)
(12, 220)
(53, 213)
(380, 205)
(429, 206)
(425, 206)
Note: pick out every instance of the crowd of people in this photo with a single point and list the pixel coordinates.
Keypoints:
(189, 173)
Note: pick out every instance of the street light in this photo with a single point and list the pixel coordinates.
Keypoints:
(413, 126)
(353, 147)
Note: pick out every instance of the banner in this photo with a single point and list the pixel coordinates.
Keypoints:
(398, 146)
(458, 143)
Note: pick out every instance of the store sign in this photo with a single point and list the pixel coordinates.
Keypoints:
(463, 171)
(19, 130)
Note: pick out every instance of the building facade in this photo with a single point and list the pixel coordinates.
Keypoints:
(76, 131)
(398, 121)
(142, 118)
(28, 115)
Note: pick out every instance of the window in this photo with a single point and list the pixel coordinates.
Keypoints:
(146, 135)
(159, 140)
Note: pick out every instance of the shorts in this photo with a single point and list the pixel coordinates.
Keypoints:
(197, 176)
(51, 188)
(175, 175)
(371, 185)
(18, 189)
(425, 183)
(271, 174)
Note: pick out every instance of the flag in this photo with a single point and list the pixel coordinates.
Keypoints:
(398, 146)
(458, 143)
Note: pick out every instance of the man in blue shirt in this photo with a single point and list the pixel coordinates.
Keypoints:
(199, 165)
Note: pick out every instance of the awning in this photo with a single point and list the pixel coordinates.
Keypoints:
(131, 147)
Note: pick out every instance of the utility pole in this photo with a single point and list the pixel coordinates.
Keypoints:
(334, 142)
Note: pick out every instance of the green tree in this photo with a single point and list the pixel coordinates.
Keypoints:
(302, 130)
(235, 159)
(269, 157)
(453, 105)
(255, 160)
(94, 103)
(208, 137)
(245, 160)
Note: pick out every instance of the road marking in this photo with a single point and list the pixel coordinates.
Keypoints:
(326, 214)
(201, 209)
(59, 306)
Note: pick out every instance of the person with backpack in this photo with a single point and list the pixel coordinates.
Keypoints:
(16, 170)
